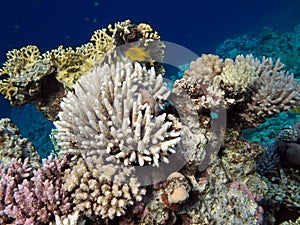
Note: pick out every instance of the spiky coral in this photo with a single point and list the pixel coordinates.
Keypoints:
(33, 195)
(107, 116)
(275, 91)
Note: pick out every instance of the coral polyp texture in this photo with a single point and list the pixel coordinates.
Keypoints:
(33, 196)
(101, 190)
(114, 114)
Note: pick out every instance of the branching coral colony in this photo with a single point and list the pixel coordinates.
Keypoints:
(118, 125)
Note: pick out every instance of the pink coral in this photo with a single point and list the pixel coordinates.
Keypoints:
(33, 196)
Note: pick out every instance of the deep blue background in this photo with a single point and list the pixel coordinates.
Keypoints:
(197, 25)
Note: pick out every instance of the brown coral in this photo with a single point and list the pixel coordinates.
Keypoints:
(13, 146)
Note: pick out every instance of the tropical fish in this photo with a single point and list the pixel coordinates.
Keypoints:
(137, 54)
(214, 115)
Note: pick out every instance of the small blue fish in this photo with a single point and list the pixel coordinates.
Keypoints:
(214, 115)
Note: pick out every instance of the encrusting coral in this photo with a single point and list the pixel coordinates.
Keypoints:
(109, 116)
(279, 169)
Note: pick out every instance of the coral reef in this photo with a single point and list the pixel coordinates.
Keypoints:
(279, 167)
(276, 91)
(216, 196)
(266, 132)
(202, 82)
(288, 141)
(130, 151)
(265, 90)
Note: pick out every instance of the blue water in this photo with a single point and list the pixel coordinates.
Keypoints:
(197, 25)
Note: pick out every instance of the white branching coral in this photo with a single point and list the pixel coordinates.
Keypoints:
(113, 113)
(276, 91)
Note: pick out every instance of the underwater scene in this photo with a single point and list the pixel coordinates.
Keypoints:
(150, 113)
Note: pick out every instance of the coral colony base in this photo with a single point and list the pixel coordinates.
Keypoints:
(130, 150)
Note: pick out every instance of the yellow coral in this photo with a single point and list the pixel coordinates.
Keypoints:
(103, 42)
(240, 74)
(70, 64)
(19, 61)
(147, 31)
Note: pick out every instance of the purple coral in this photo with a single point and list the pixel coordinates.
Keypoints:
(33, 196)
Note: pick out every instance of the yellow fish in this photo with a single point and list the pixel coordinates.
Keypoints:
(137, 54)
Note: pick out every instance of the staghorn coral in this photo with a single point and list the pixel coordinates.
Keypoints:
(33, 196)
(105, 116)
(13, 146)
(10, 178)
(70, 219)
(99, 189)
